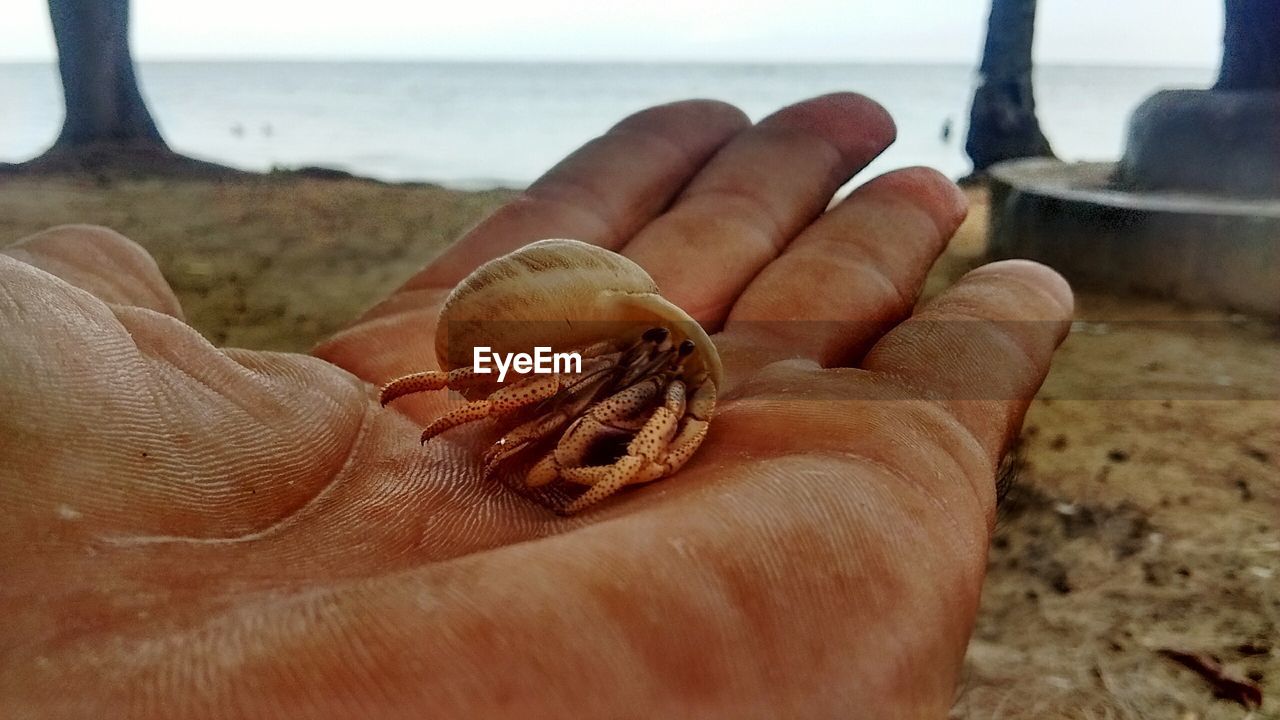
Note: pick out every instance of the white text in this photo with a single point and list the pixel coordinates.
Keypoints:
(542, 361)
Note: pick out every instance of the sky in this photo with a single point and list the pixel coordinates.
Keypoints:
(1107, 32)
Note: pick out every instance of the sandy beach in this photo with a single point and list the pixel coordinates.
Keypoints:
(1145, 515)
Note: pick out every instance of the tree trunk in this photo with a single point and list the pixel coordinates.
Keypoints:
(1002, 121)
(1251, 46)
(103, 103)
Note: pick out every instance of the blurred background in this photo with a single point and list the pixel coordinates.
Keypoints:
(478, 94)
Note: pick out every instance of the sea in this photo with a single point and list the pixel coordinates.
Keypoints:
(472, 125)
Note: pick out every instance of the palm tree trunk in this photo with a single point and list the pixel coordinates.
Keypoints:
(1002, 120)
(1251, 46)
(103, 103)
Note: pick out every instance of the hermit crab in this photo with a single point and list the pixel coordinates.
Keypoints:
(634, 409)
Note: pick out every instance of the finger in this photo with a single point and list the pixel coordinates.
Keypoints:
(851, 275)
(107, 264)
(983, 347)
(756, 195)
(601, 194)
(604, 192)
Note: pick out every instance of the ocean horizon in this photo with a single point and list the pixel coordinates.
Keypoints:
(473, 124)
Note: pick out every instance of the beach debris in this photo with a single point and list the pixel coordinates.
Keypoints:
(1226, 684)
(1254, 647)
(1246, 493)
(1261, 456)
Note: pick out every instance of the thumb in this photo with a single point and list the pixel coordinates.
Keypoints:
(100, 261)
(117, 414)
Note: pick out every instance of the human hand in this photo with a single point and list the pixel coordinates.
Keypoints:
(201, 532)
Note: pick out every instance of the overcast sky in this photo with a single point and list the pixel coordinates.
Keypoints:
(1125, 32)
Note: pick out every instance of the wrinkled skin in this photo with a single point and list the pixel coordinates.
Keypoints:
(194, 532)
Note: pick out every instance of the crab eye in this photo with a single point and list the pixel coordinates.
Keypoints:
(686, 348)
(655, 335)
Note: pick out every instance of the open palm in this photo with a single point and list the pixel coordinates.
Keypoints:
(191, 531)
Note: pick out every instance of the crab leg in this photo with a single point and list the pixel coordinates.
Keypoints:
(694, 429)
(661, 447)
(683, 446)
(657, 432)
(431, 380)
(616, 414)
(580, 392)
(640, 464)
(527, 391)
(703, 401)
(614, 478)
(516, 441)
(585, 431)
(649, 442)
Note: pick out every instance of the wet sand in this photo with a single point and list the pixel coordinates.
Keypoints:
(1147, 510)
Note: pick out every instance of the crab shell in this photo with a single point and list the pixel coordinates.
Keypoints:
(566, 295)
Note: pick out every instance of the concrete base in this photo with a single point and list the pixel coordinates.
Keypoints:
(1205, 250)
(1211, 141)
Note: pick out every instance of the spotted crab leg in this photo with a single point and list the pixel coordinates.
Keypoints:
(649, 459)
(431, 380)
(609, 480)
(693, 429)
(527, 391)
(599, 421)
(582, 390)
(645, 453)
(575, 396)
